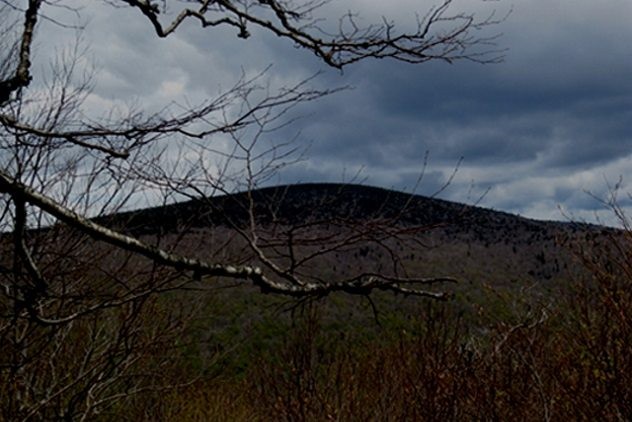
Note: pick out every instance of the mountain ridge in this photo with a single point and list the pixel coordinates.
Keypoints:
(294, 203)
(467, 241)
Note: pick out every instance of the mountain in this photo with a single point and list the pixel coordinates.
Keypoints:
(291, 204)
(469, 242)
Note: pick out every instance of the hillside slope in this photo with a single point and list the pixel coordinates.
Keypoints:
(472, 243)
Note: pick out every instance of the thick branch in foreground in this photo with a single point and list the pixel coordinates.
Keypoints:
(22, 76)
(202, 268)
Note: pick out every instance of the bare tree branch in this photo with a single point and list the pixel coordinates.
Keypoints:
(202, 268)
(440, 35)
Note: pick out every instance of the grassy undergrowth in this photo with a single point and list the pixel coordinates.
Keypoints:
(510, 351)
(521, 354)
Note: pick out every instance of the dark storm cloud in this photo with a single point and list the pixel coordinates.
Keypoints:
(542, 127)
(549, 122)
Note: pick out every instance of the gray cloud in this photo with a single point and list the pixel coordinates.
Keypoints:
(539, 129)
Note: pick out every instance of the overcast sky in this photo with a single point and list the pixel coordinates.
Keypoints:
(552, 121)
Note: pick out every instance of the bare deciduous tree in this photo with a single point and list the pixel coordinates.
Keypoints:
(124, 148)
(75, 290)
